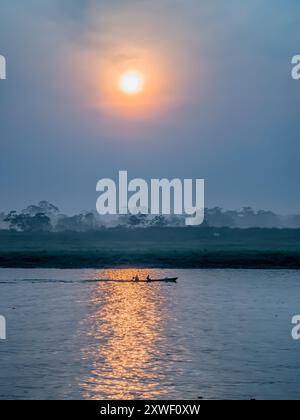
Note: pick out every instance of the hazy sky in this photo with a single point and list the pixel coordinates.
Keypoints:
(221, 104)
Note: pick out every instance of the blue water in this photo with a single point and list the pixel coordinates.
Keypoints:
(214, 334)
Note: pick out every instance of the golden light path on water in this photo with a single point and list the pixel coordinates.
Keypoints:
(126, 325)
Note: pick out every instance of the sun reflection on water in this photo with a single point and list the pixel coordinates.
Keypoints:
(126, 328)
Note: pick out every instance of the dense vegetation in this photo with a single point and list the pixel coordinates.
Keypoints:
(46, 217)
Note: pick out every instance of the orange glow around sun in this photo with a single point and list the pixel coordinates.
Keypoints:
(124, 84)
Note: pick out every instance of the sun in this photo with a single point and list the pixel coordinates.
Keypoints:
(131, 82)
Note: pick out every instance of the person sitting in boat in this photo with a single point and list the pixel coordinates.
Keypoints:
(136, 278)
(148, 278)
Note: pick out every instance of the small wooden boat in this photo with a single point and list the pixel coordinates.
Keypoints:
(166, 280)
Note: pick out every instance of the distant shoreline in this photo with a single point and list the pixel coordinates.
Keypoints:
(153, 248)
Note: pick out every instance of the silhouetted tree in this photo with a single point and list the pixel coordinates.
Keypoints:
(42, 207)
(159, 221)
(25, 223)
(135, 220)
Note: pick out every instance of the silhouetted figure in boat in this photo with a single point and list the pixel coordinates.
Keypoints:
(136, 279)
(148, 278)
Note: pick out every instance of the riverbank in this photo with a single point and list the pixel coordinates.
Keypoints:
(155, 247)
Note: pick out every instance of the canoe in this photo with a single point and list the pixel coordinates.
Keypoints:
(165, 280)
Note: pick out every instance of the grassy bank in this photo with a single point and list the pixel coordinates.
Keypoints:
(154, 247)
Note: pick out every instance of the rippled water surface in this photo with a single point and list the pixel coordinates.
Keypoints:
(214, 334)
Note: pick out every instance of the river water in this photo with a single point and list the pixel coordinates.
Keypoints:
(215, 334)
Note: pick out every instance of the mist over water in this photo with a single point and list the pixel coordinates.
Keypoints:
(214, 334)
